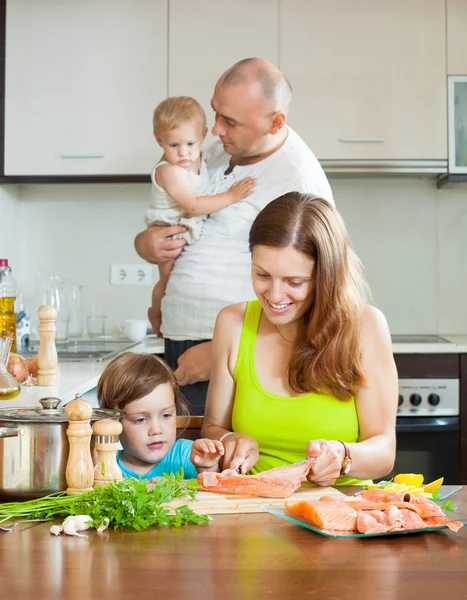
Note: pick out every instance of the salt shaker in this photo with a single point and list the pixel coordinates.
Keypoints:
(79, 469)
(106, 434)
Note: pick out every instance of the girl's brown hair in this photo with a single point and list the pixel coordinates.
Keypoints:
(326, 357)
(131, 376)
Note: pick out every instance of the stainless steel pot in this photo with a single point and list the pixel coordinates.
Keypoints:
(34, 448)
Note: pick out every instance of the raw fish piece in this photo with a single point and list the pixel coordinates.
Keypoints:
(280, 482)
(335, 515)
(368, 523)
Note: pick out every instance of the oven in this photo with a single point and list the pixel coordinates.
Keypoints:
(428, 429)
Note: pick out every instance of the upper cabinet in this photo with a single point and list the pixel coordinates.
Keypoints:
(369, 78)
(457, 36)
(207, 37)
(82, 81)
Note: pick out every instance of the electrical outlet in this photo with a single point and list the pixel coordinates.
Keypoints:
(139, 274)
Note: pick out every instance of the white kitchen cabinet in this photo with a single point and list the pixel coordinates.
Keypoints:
(369, 78)
(207, 37)
(82, 81)
(457, 36)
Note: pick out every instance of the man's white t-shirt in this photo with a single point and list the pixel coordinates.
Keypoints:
(215, 272)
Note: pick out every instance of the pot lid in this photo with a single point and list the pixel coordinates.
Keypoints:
(50, 412)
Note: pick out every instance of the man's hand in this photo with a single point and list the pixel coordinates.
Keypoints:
(194, 365)
(205, 454)
(241, 452)
(152, 243)
(329, 455)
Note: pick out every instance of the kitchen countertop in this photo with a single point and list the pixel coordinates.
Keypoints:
(80, 377)
(459, 346)
(243, 556)
(76, 377)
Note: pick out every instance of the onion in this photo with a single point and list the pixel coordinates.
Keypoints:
(32, 366)
(18, 367)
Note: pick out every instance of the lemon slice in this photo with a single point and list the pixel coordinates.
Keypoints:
(434, 485)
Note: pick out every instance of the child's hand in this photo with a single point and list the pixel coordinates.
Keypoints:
(242, 189)
(205, 453)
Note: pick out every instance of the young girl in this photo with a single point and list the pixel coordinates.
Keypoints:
(144, 388)
(179, 125)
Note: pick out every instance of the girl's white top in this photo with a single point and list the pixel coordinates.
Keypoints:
(164, 210)
(215, 272)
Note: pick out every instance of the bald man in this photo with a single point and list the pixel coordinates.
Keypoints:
(251, 102)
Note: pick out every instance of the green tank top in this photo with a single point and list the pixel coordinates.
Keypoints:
(284, 425)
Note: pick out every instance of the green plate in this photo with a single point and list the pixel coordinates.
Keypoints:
(280, 512)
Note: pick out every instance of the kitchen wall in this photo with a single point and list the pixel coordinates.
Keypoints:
(10, 225)
(411, 237)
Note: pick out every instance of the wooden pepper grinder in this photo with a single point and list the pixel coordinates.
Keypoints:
(47, 361)
(79, 469)
(106, 434)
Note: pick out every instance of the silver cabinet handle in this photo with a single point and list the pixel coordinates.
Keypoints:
(359, 140)
(8, 432)
(81, 156)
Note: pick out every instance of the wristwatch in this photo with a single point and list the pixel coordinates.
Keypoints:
(347, 462)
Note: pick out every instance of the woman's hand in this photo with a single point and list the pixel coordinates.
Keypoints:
(329, 456)
(241, 452)
(205, 454)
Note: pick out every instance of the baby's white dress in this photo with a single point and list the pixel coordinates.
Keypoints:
(164, 210)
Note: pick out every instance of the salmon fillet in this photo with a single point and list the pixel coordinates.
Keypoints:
(335, 515)
(369, 516)
(280, 482)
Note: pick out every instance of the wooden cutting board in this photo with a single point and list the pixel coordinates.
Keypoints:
(223, 504)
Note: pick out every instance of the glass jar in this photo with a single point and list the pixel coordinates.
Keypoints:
(7, 301)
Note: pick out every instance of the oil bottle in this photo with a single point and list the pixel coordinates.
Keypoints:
(7, 301)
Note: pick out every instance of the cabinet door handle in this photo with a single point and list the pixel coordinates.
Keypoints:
(359, 140)
(81, 156)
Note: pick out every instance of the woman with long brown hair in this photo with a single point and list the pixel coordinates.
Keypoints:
(306, 369)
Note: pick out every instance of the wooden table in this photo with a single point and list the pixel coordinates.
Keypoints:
(237, 556)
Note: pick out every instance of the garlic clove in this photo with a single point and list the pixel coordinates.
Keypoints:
(56, 529)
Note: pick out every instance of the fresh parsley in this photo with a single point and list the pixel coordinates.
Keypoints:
(435, 495)
(131, 503)
(448, 505)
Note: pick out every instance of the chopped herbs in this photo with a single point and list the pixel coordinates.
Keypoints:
(448, 505)
(131, 503)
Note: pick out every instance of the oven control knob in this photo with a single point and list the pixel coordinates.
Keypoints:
(434, 399)
(401, 400)
(415, 399)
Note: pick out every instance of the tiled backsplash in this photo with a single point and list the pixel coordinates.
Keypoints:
(411, 237)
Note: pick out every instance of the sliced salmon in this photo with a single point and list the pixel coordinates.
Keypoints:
(369, 505)
(452, 525)
(371, 521)
(337, 515)
(280, 482)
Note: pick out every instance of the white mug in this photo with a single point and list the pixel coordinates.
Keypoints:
(135, 329)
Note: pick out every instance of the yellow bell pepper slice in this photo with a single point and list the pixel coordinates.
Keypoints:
(409, 479)
(434, 485)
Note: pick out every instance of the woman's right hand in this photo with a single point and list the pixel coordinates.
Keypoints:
(241, 452)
